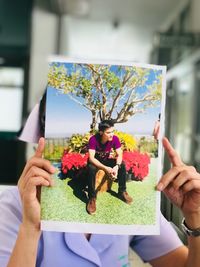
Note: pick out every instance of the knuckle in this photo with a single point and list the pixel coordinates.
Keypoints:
(193, 182)
(192, 168)
(33, 180)
(46, 164)
(187, 174)
(180, 169)
(33, 170)
(176, 168)
(31, 162)
(30, 182)
(46, 161)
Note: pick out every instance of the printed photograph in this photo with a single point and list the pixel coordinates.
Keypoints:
(103, 124)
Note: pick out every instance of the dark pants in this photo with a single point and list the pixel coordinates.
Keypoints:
(92, 170)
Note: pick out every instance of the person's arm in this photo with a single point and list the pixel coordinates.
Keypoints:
(119, 156)
(156, 130)
(25, 250)
(36, 173)
(175, 258)
(97, 163)
(181, 184)
(118, 161)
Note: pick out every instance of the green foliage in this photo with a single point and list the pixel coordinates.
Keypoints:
(54, 149)
(110, 80)
(78, 143)
(55, 154)
(149, 146)
(108, 92)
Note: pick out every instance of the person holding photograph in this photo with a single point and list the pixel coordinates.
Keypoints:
(100, 146)
(156, 129)
(24, 244)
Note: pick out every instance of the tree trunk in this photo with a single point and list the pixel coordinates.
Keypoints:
(94, 122)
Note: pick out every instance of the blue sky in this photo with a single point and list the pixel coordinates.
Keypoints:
(65, 117)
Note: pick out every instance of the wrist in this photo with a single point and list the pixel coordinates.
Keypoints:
(30, 231)
(192, 220)
(190, 232)
(30, 226)
(105, 168)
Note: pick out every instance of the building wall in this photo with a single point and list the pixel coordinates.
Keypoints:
(43, 44)
(194, 15)
(95, 39)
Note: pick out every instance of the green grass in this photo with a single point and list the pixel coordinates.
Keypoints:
(60, 204)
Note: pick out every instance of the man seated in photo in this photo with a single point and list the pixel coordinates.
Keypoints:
(23, 244)
(100, 146)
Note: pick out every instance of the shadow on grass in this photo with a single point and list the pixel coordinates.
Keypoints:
(113, 193)
(79, 188)
(66, 202)
(77, 183)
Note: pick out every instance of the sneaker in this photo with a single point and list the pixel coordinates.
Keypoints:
(124, 196)
(91, 205)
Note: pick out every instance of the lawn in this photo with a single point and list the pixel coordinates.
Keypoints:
(63, 203)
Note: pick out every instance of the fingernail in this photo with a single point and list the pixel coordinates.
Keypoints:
(53, 169)
(160, 186)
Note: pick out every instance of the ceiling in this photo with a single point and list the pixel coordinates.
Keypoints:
(131, 22)
(149, 13)
(144, 13)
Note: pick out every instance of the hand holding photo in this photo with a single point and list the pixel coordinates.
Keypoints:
(101, 138)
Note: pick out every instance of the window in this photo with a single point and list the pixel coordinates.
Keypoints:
(11, 98)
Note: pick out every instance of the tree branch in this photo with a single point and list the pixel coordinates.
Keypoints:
(99, 86)
(81, 104)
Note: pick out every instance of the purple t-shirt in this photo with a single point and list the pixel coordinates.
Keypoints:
(102, 151)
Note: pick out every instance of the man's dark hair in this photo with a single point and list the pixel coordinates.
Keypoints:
(42, 109)
(105, 124)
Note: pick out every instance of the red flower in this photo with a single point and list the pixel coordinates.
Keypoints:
(136, 163)
(73, 161)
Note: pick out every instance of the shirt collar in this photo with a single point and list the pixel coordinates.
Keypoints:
(78, 243)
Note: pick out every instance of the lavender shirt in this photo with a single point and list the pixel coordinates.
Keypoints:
(102, 151)
(73, 249)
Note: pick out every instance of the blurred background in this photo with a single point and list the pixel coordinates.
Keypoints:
(154, 31)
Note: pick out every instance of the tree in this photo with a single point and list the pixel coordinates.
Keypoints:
(108, 91)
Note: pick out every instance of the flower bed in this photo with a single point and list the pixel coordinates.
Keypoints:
(73, 161)
(137, 164)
